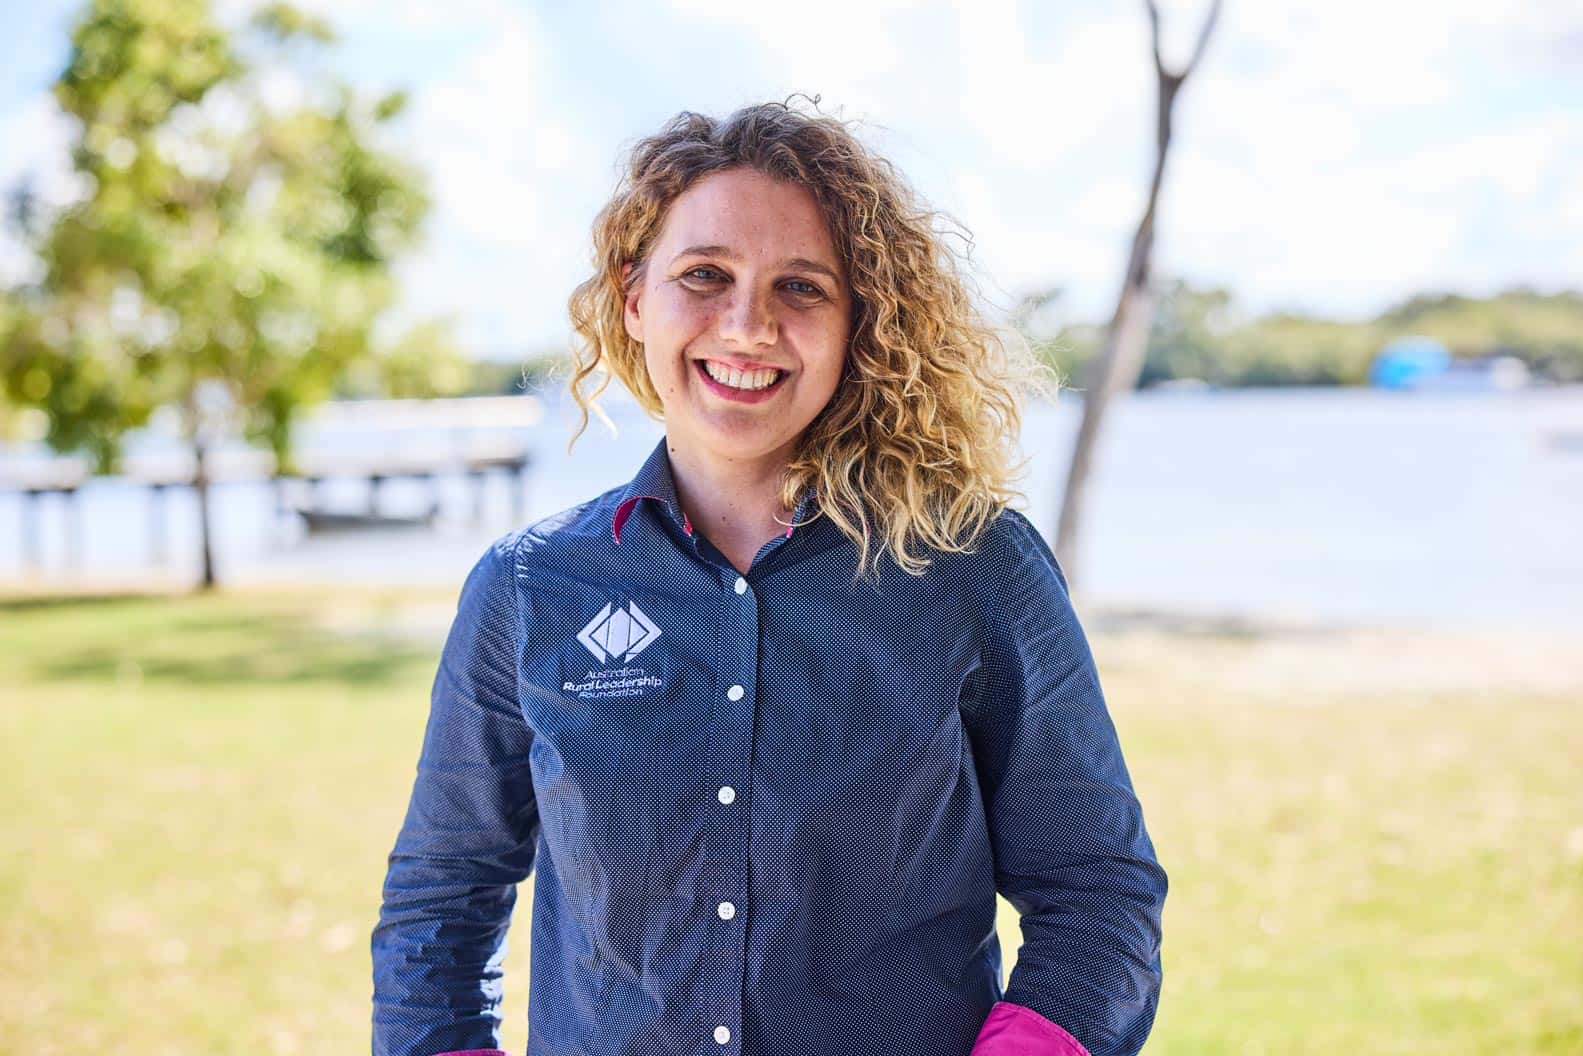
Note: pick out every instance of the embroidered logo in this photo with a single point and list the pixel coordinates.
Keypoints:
(618, 633)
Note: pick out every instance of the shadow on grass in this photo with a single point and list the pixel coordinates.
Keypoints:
(230, 640)
(51, 602)
(1115, 620)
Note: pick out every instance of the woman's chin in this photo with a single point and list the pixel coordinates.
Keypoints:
(732, 434)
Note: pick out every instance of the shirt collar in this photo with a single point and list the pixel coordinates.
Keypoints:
(655, 481)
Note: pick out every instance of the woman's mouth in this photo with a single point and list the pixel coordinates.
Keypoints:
(742, 386)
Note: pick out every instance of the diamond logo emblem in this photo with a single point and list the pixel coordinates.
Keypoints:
(618, 632)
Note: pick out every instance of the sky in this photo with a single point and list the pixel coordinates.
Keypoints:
(1329, 158)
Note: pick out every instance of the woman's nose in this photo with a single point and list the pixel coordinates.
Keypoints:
(748, 320)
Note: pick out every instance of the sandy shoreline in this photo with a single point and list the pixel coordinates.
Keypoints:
(1325, 661)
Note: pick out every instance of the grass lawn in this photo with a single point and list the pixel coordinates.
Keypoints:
(1375, 841)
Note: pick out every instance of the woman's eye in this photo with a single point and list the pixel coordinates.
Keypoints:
(703, 273)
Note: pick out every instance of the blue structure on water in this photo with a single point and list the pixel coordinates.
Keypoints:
(1407, 362)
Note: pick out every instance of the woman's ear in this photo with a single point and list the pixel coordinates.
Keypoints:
(632, 314)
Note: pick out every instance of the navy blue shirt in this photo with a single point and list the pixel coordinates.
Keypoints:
(769, 813)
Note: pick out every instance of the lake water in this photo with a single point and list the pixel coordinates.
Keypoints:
(1334, 505)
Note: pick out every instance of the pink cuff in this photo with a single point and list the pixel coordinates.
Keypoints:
(1017, 1030)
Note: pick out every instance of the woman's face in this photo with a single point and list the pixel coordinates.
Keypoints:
(744, 278)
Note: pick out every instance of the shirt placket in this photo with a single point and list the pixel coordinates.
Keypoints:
(726, 842)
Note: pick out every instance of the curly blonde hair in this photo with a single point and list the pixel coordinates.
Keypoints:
(917, 446)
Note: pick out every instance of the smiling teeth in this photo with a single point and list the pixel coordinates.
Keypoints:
(741, 379)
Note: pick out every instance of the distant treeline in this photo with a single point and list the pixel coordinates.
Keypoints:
(1198, 335)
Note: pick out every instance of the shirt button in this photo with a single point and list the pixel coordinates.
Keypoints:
(735, 692)
(726, 794)
(722, 1033)
(727, 911)
(742, 585)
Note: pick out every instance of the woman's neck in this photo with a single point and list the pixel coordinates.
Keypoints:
(734, 502)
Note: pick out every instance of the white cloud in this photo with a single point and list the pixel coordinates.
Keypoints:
(1323, 155)
(1282, 184)
(1040, 103)
(835, 43)
(1335, 156)
(511, 175)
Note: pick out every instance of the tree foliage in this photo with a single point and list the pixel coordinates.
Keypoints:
(232, 243)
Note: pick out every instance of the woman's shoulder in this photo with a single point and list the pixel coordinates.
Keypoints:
(1010, 551)
(575, 524)
(513, 554)
(1005, 533)
(558, 532)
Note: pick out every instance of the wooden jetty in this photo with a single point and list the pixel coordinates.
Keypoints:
(299, 492)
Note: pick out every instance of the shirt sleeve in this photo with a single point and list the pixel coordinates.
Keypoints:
(1067, 832)
(468, 839)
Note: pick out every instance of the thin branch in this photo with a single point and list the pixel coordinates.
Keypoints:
(1198, 50)
(1154, 34)
(1203, 36)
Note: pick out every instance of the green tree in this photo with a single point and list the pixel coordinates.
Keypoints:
(230, 255)
(1545, 330)
(1189, 328)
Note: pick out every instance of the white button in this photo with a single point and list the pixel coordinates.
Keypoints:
(727, 911)
(735, 692)
(722, 1033)
(742, 585)
(726, 794)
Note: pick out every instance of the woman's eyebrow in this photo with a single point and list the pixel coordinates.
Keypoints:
(706, 251)
(804, 264)
(725, 253)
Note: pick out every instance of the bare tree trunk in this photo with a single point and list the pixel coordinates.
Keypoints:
(1120, 361)
(200, 484)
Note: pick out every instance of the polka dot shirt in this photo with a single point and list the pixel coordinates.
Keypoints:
(766, 814)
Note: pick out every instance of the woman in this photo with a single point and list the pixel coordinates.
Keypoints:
(775, 720)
